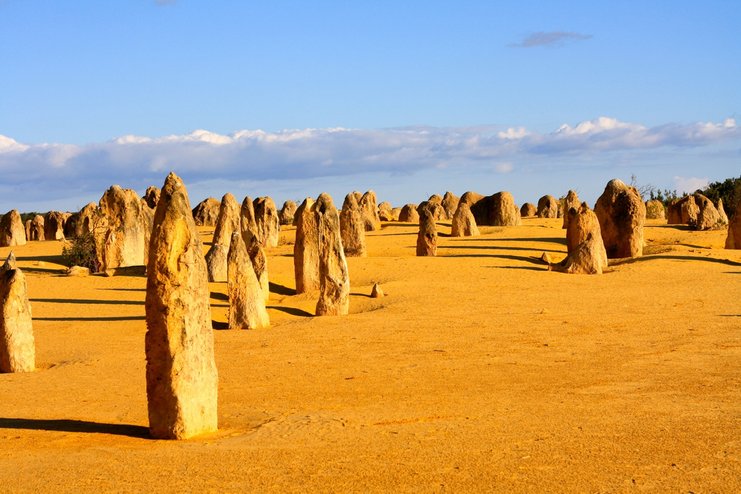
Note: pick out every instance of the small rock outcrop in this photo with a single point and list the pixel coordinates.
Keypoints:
(385, 211)
(464, 224)
(268, 225)
(570, 201)
(122, 230)
(17, 347)
(369, 209)
(227, 223)
(708, 216)
(334, 277)
(152, 196)
(12, 230)
(35, 228)
(206, 212)
(246, 300)
(528, 210)
(450, 204)
(427, 235)
(409, 214)
(682, 211)
(182, 380)
(306, 248)
(352, 228)
(547, 207)
(495, 210)
(621, 214)
(54, 225)
(376, 291)
(655, 210)
(586, 251)
(733, 240)
(287, 212)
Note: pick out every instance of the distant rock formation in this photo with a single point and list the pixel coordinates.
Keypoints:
(206, 212)
(306, 248)
(35, 228)
(427, 235)
(464, 224)
(369, 209)
(385, 212)
(123, 228)
(334, 277)
(54, 225)
(547, 207)
(409, 214)
(655, 210)
(227, 223)
(450, 204)
(621, 215)
(570, 201)
(259, 261)
(268, 224)
(495, 210)
(247, 222)
(12, 230)
(528, 210)
(17, 347)
(182, 380)
(352, 228)
(287, 212)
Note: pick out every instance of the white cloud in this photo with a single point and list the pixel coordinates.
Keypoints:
(687, 185)
(48, 171)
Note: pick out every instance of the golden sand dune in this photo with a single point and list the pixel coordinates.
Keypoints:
(479, 371)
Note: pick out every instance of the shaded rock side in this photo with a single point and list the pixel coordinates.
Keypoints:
(206, 212)
(17, 347)
(352, 228)
(54, 225)
(733, 240)
(152, 196)
(495, 210)
(547, 207)
(528, 210)
(334, 277)
(306, 248)
(35, 228)
(385, 211)
(182, 380)
(247, 223)
(287, 212)
(464, 224)
(246, 300)
(427, 235)
(409, 214)
(268, 224)
(621, 214)
(369, 210)
(12, 230)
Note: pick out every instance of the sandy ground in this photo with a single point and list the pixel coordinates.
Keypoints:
(479, 371)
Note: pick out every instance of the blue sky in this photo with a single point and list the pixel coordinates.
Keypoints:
(409, 98)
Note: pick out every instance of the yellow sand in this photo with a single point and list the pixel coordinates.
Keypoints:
(479, 371)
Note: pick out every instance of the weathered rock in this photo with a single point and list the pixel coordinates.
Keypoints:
(722, 212)
(708, 216)
(248, 225)
(733, 240)
(227, 223)
(427, 236)
(369, 209)
(621, 214)
(259, 261)
(306, 248)
(586, 259)
(395, 213)
(287, 212)
(54, 225)
(450, 204)
(385, 212)
(547, 207)
(582, 223)
(655, 210)
(17, 347)
(334, 278)
(35, 228)
(495, 210)
(570, 201)
(70, 225)
(122, 233)
(409, 214)
(268, 225)
(352, 228)
(682, 211)
(152, 196)
(471, 198)
(182, 380)
(246, 300)
(12, 230)
(89, 220)
(376, 291)
(435, 205)
(528, 209)
(206, 212)
(79, 271)
(464, 224)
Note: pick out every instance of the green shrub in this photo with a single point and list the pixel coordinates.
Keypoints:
(81, 251)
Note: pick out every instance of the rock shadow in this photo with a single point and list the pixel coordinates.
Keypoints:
(68, 425)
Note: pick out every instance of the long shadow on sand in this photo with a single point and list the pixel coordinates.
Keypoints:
(727, 262)
(496, 247)
(66, 425)
(91, 319)
(554, 240)
(87, 301)
(530, 260)
(292, 311)
(281, 289)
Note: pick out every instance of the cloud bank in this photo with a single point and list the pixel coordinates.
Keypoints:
(54, 171)
(549, 38)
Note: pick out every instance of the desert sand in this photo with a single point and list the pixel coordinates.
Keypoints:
(479, 371)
